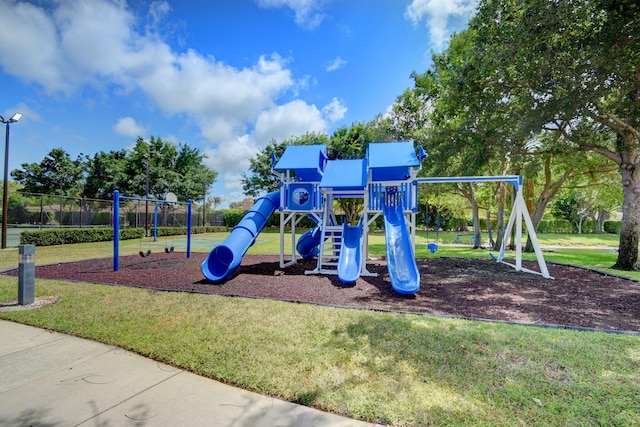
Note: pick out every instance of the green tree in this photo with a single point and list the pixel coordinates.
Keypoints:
(573, 207)
(105, 174)
(193, 175)
(55, 174)
(245, 203)
(214, 202)
(260, 178)
(574, 66)
(162, 167)
(446, 110)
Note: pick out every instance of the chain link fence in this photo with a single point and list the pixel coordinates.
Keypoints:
(35, 211)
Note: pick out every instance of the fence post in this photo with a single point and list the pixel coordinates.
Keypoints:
(41, 210)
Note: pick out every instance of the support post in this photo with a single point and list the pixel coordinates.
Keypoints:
(189, 225)
(116, 230)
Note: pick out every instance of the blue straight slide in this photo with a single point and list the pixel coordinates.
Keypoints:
(403, 270)
(223, 260)
(350, 261)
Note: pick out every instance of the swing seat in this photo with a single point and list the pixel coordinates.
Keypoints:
(169, 250)
(144, 255)
(433, 248)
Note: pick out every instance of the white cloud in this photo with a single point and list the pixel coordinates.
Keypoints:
(335, 110)
(284, 121)
(231, 158)
(437, 14)
(127, 126)
(336, 64)
(308, 12)
(223, 99)
(232, 155)
(26, 28)
(158, 10)
(101, 44)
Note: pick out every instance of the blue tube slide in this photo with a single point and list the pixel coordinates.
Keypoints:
(223, 260)
(308, 243)
(403, 270)
(350, 261)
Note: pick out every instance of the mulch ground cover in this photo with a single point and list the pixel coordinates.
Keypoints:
(467, 288)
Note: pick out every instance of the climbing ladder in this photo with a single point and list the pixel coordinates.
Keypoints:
(330, 242)
(330, 247)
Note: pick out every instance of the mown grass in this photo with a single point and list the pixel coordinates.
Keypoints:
(388, 368)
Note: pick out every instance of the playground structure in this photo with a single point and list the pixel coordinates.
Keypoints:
(171, 200)
(386, 182)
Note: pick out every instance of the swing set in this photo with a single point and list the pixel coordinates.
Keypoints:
(519, 213)
(171, 200)
(461, 232)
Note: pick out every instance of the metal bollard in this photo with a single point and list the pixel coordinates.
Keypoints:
(26, 274)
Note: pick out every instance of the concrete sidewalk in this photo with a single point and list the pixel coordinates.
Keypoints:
(52, 379)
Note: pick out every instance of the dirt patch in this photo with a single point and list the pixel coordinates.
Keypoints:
(38, 302)
(470, 288)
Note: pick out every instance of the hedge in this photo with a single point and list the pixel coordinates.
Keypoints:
(61, 236)
(232, 217)
(612, 227)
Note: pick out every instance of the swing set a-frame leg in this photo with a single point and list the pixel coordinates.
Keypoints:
(518, 214)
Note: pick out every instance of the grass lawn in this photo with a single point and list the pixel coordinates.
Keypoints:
(387, 368)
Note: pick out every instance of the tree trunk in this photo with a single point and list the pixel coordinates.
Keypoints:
(603, 215)
(352, 209)
(528, 191)
(628, 248)
(549, 190)
(475, 215)
(468, 192)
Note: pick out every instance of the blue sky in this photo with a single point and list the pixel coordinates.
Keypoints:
(224, 76)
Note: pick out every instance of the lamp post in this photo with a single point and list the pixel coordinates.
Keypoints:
(5, 193)
(146, 197)
(148, 156)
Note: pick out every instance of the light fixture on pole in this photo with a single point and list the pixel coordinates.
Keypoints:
(5, 193)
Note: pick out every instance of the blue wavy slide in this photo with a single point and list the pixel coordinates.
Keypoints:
(223, 260)
(350, 261)
(308, 242)
(403, 270)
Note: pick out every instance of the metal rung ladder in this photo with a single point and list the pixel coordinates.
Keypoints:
(330, 245)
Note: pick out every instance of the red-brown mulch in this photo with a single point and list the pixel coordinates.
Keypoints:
(470, 288)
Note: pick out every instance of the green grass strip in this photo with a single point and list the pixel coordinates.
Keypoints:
(388, 368)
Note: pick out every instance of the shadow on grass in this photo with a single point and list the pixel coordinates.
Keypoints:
(459, 372)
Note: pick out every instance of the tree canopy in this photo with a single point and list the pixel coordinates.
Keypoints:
(179, 169)
(56, 174)
(533, 87)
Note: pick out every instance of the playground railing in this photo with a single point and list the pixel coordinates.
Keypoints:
(406, 192)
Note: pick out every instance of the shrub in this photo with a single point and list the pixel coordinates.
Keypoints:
(590, 227)
(612, 227)
(63, 236)
(232, 217)
(556, 226)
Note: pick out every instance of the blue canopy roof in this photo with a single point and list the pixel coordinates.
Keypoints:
(390, 161)
(307, 161)
(345, 175)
